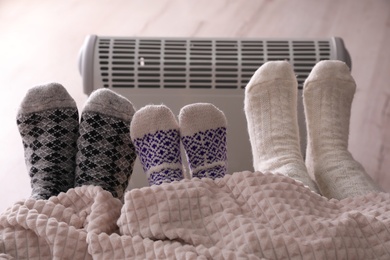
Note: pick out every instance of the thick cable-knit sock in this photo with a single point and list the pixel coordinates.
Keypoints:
(155, 134)
(203, 135)
(328, 94)
(105, 154)
(271, 112)
(48, 124)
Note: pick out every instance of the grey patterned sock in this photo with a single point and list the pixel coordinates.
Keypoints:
(48, 124)
(105, 154)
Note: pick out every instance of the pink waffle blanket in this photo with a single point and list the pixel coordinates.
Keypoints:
(241, 216)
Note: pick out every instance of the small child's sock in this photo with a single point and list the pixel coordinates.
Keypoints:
(203, 134)
(271, 112)
(48, 124)
(328, 94)
(105, 154)
(155, 134)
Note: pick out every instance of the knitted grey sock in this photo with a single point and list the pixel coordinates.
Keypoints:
(48, 124)
(105, 154)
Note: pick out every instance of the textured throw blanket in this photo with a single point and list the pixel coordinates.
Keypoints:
(241, 216)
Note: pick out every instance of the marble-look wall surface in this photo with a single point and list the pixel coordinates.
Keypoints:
(40, 41)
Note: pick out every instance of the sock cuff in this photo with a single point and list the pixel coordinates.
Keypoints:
(200, 117)
(46, 97)
(107, 102)
(150, 119)
(161, 167)
(208, 166)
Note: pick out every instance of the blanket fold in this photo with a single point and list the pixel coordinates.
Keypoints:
(56, 228)
(246, 215)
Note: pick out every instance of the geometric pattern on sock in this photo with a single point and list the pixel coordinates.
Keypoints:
(215, 172)
(159, 148)
(204, 149)
(106, 154)
(49, 141)
(165, 175)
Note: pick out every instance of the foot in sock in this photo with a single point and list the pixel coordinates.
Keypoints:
(203, 135)
(328, 94)
(48, 124)
(271, 113)
(105, 154)
(156, 137)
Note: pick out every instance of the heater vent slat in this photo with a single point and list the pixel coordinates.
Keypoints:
(193, 63)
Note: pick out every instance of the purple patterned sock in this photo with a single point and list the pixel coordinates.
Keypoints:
(156, 137)
(203, 134)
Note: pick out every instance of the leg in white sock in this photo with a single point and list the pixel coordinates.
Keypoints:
(328, 94)
(271, 112)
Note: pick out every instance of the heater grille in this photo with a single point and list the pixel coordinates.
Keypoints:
(200, 64)
(182, 71)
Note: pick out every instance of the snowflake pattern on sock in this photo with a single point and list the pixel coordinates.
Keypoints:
(106, 154)
(49, 141)
(206, 152)
(162, 147)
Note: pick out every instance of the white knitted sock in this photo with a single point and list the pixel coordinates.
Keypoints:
(156, 137)
(203, 134)
(271, 112)
(328, 94)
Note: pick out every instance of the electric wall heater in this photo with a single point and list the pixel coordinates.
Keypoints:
(181, 71)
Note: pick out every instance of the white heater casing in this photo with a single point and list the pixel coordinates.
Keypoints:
(181, 71)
